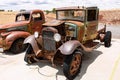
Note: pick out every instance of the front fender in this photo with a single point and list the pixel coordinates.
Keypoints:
(69, 47)
(13, 36)
(32, 41)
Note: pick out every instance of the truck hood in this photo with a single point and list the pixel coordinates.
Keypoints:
(76, 23)
(15, 24)
(53, 23)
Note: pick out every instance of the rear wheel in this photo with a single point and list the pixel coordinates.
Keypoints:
(107, 39)
(72, 65)
(17, 46)
(29, 55)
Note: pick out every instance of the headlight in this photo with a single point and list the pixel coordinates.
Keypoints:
(57, 37)
(36, 34)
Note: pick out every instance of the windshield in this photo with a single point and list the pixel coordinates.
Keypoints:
(23, 17)
(71, 15)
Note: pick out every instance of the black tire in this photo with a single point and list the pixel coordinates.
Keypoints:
(72, 65)
(107, 39)
(17, 46)
(29, 55)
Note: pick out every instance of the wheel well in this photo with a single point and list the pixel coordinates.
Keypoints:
(58, 58)
(16, 40)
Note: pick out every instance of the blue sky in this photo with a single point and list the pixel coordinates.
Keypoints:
(50, 4)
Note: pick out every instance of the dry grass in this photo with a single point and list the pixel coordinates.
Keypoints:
(7, 17)
(109, 17)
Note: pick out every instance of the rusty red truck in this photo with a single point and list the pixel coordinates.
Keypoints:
(26, 23)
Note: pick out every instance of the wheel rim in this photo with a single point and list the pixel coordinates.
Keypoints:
(19, 46)
(75, 64)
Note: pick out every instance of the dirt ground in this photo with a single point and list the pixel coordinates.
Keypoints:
(101, 64)
(109, 17)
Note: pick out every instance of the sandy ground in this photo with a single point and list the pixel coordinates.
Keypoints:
(101, 64)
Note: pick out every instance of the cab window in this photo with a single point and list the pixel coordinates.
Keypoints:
(22, 17)
(37, 16)
(91, 15)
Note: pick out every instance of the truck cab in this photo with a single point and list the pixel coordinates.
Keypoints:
(83, 21)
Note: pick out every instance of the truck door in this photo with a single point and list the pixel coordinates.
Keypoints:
(37, 21)
(92, 23)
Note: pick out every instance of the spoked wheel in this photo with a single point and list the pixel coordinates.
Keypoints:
(107, 39)
(17, 46)
(29, 55)
(72, 65)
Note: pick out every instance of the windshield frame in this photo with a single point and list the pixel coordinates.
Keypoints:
(73, 17)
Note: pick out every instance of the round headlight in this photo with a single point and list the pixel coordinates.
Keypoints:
(36, 34)
(57, 37)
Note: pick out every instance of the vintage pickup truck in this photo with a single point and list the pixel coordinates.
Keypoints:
(12, 35)
(64, 41)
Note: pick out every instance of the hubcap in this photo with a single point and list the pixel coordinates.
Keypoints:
(19, 45)
(75, 64)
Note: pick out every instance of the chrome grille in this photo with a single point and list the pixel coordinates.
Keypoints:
(48, 41)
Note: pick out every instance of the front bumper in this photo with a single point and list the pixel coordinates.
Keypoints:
(1, 50)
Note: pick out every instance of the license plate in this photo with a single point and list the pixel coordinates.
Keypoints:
(1, 49)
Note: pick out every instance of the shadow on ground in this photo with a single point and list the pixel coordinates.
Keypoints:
(88, 58)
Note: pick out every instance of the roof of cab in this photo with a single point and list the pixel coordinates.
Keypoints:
(76, 8)
(30, 11)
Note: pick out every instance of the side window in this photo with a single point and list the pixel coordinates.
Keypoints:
(27, 16)
(36, 16)
(91, 15)
(21, 18)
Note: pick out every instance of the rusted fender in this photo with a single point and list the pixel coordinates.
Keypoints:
(70, 46)
(32, 41)
(14, 35)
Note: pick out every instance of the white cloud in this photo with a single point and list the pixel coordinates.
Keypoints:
(49, 4)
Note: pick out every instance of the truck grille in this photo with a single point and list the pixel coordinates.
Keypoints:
(48, 41)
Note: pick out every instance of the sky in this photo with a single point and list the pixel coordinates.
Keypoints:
(50, 4)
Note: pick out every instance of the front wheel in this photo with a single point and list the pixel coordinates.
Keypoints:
(17, 46)
(72, 65)
(29, 55)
